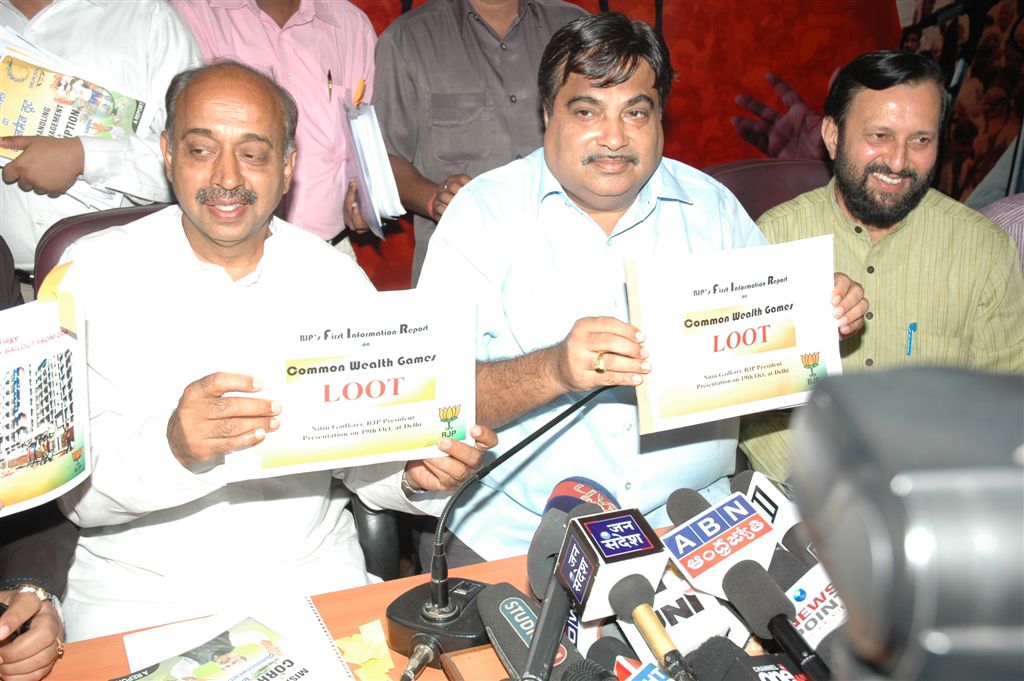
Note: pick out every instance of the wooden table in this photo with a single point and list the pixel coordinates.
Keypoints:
(100, 659)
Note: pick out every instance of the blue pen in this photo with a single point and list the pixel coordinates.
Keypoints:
(911, 328)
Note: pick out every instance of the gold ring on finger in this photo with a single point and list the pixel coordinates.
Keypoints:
(599, 363)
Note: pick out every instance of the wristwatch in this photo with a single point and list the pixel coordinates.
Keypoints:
(43, 595)
(408, 490)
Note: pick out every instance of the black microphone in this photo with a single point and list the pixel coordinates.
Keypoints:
(768, 613)
(511, 620)
(434, 618)
(588, 670)
(554, 611)
(713, 659)
(632, 599)
(684, 504)
(607, 649)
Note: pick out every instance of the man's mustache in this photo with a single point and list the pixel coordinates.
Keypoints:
(590, 158)
(879, 167)
(209, 194)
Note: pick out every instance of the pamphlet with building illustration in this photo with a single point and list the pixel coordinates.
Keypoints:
(44, 415)
(733, 332)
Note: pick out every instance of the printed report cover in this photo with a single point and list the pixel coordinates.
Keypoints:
(733, 332)
(382, 381)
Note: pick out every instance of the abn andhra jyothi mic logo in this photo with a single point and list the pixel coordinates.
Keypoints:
(447, 415)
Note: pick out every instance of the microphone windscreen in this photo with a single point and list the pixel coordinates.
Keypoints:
(713, 658)
(684, 504)
(786, 569)
(799, 544)
(628, 593)
(571, 492)
(544, 547)
(756, 596)
(741, 481)
(605, 649)
(588, 670)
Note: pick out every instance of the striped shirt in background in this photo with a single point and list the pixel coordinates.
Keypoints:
(945, 288)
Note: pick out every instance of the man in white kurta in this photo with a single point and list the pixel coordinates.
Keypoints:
(174, 303)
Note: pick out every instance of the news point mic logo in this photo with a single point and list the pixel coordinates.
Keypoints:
(799, 595)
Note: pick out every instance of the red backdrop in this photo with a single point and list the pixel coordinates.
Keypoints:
(720, 48)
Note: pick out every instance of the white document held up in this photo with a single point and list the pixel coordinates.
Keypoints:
(382, 379)
(733, 332)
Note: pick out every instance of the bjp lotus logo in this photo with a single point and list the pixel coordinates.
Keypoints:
(449, 414)
(810, 361)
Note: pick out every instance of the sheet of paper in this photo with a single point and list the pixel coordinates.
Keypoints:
(733, 332)
(381, 381)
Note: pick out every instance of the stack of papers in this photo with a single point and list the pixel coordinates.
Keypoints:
(375, 183)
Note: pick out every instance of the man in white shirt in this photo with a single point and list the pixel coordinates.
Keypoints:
(135, 46)
(165, 534)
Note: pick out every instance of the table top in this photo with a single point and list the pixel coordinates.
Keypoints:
(103, 658)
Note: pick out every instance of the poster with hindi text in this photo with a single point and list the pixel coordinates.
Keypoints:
(733, 332)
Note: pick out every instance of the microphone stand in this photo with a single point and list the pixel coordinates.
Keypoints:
(432, 618)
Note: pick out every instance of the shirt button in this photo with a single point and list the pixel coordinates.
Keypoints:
(513, 99)
(869, 315)
(858, 230)
(503, 46)
(871, 269)
(628, 486)
(869, 361)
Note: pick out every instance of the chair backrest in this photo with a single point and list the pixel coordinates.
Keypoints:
(763, 183)
(64, 232)
(1008, 213)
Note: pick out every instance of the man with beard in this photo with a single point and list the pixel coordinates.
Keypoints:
(944, 282)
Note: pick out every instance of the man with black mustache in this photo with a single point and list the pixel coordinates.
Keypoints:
(540, 243)
(944, 282)
(178, 305)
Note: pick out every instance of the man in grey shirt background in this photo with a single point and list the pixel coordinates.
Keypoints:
(455, 89)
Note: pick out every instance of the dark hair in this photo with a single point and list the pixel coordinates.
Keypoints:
(289, 111)
(606, 48)
(880, 71)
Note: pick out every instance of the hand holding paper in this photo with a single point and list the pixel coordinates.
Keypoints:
(46, 165)
(851, 305)
(447, 472)
(207, 424)
(601, 351)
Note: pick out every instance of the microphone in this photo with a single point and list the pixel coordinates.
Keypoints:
(710, 540)
(588, 670)
(769, 613)
(780, 511)
(511, 620)
(553, 613)
(434, 617)
(713, 659)
(819, 612)
(607, 649)
(632, 598)
(547, 540)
